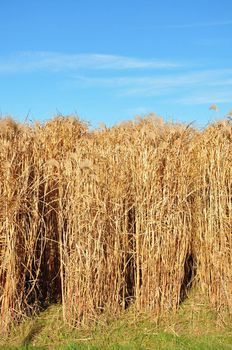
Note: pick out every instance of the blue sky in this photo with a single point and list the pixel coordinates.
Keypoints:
(109, 61)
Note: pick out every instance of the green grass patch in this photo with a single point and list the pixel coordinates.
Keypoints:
(194, 327)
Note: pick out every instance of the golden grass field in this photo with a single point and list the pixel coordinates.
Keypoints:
(100, 221)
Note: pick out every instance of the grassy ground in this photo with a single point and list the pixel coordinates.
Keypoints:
(194, 327)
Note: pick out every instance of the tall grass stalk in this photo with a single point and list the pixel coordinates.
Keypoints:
(106, 219)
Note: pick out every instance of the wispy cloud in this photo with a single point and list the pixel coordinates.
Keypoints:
(157, 85)
(127, 77)
(206, 98)
(56, 62)
(137, 110)
(200, 24)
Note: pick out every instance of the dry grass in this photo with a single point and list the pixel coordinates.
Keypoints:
(102, 220)
(213, 218)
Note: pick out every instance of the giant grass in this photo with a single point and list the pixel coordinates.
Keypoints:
(104, 220)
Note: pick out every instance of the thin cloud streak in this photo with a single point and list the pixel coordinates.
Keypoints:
(205, 98)
(57, 62)
(191, 88)
(156, 85)
(199, 25)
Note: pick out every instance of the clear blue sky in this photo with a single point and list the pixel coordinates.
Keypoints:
(108, 61)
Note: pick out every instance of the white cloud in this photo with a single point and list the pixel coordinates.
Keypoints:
(157, 85)
(137, 110)
(206, 98)
(56, 62)
(125, 76)
(200, 25)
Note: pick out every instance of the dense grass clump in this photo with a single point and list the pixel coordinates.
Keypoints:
(103, 220)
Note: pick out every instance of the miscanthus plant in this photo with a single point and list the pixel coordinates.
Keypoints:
(100, 221)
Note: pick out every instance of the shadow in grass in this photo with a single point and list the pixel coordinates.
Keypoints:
(36, 329)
